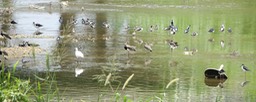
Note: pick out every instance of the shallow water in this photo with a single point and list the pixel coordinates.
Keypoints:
(152, 71)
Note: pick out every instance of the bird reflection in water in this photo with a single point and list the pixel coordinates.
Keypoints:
(78, 71)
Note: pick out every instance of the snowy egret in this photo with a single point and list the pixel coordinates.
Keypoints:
(78, 53)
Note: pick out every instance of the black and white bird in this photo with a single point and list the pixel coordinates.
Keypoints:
(13, 22)
(37, 25)
(138, 29)
(105, 25)
(222, 28)
(244, 68)
(60, 19)
(211, 30)
(129, 47)
(173, 45)
(5, 35)
(187, 30)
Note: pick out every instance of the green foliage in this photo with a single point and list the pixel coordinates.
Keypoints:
(12, 88)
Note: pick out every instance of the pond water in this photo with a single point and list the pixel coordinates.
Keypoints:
(103, 48)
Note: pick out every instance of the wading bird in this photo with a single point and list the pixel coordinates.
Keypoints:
(187, 30)
(222, 28)
(129, 48)
(37, 25)
(245, 69)
(13, 22)
(222, 44)
(211, 30)
(148, 47)
(5, 35)
(229, 30)
(78, 54)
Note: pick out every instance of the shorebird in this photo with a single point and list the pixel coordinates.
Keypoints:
(194, 34)
(245, 69)
(37, 25)
(173, 45)
(5, 35)
(189, 52)
(222, 44)
(60, 19)
(148, 47)
(222, 28)
(229, 30)
(105, 25)
(211, 30)
(23, 44)
(187, 30)
(13, 22)
(151, 28)
(129, 48)
(138, 29)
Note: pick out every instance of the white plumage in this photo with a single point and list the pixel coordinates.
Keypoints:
(79, 54)
(78, 71)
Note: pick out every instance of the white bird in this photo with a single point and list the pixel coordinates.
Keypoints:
(79, 54)
(78, 71)
(222, 28)
(222, 43)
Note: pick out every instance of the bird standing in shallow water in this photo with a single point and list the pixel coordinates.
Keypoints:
(211, 30)
(222, 28)
(5, 35)
(78, 53)
(37, 25)
(148, 47)
(222, 44)
(187, 30)
(13, 22)
(245, 69)
(129, 48)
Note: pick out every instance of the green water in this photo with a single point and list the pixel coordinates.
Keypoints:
(153, 71)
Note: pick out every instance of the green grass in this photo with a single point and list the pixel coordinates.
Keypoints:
(14, 89)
